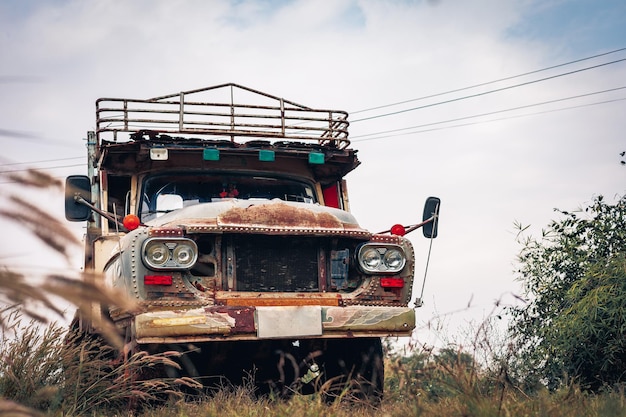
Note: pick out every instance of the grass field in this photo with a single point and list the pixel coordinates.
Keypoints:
(42, 371)
(45, 372)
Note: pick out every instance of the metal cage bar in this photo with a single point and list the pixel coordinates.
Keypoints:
(280, 119)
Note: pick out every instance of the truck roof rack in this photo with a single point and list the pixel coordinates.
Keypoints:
(220, 115)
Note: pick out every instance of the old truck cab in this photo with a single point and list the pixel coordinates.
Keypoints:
(224, 213)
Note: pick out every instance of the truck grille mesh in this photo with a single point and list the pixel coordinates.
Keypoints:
(276, 264)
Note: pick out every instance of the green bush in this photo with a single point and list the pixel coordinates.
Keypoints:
(573, 325)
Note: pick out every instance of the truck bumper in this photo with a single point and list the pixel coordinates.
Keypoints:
(268, 322)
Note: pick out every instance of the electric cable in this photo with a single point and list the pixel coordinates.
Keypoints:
(490, 82)
(492, 112)
(493, 120)
(488, 92)
(42, 161)
(41, 169)
(430, 105)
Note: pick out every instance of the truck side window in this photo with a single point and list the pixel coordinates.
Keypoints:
(118, 188)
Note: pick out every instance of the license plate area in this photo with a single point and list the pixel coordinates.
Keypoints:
(288, 321)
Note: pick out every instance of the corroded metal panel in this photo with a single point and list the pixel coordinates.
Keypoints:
(213, 320)
(279, 215)
(236, 322)
(229, 298)
(356, 318)
(265, 217)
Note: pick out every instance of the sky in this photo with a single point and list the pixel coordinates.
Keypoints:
(505, 110)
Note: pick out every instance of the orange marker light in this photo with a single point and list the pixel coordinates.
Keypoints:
(131, 222)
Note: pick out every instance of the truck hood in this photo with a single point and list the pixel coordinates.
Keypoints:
(262, 216)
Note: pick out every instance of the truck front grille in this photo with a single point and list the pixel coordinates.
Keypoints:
(275, 264)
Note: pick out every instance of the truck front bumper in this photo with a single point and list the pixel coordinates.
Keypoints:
(271, 322)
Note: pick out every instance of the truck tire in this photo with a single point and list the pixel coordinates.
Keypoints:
(349, 369)
(354, 370)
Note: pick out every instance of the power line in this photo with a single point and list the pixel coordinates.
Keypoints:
(17, 182)
(493, 112)
(490, 121)
(490, 91)
(364, 137)
(18, 134)
(43, 161)
(41, 169)
(490, 82)
(428, 105)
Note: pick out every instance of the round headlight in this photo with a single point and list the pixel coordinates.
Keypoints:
(169, 253)
(184, 255)
(370, 258)
(157, 253)
(381, 258)
(394, 259)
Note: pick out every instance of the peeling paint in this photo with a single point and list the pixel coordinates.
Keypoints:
(278, 215)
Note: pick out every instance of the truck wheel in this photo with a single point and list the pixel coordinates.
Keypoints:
(354, 370)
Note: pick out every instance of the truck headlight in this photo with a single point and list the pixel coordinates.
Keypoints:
(381, 258)
(169, 253)
(370, 257)
(156, 254)
(394, 259)
(184, 255)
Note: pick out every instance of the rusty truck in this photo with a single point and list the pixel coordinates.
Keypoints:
(224, 213)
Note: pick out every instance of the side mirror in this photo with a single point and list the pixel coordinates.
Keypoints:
(77, 185)
(431, 210)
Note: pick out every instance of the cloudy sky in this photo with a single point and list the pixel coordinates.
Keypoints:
(505, 109)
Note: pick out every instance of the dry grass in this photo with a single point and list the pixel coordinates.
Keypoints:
(30, 355)
(50, 370)
(36, 298)
(45, 371)
(560, 404)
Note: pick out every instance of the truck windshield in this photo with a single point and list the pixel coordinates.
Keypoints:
(167, 192)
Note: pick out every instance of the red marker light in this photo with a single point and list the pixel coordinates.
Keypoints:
(392, 282)
(157, 280)
(398, 230)
(131, 222)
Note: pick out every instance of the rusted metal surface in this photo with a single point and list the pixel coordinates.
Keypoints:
(197, 227)
(217, 322)
(368, 319)
(213, 320)
(260, 216)
(132, 157)
(166, 232)
(243, 317)
(396, 240)
(230, 298)
(265, 217)
(278, 215)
